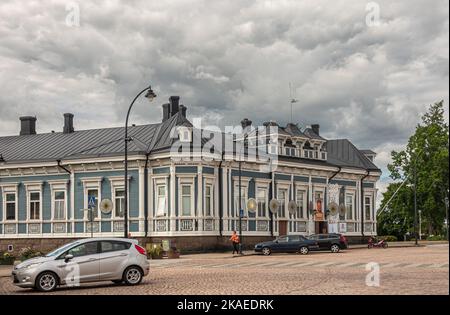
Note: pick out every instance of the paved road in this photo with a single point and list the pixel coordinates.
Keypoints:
(423, 270)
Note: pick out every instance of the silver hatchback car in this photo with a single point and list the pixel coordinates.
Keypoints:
(89, 260)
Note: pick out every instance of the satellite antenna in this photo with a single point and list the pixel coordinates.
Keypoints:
(293, 100)
(106, 206)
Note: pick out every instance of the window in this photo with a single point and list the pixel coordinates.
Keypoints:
(282, 196)
(208, 200)
(93, 193)
(84, 249)
(318, 201)
(185, 135)
(186, 199)
(59, 205)
(161, 198)
(273, 149)
(242, 205)
(261, 198)
(114, 246)
(300, 203)
(367, 207)
(290, 151)
(349, 201)
(35, 205)
(119, 202)
(10, 204)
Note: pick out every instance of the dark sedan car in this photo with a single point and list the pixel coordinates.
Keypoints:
(287, 244)
(333, 242)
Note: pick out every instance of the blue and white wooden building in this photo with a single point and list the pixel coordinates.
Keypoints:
(46, 181)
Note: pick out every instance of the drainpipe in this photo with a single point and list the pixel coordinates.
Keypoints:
(146, 195)
(362, 203)
(221, 196)
(62, 167)
(339, 170)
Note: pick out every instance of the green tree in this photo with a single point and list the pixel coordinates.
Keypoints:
(425, 161)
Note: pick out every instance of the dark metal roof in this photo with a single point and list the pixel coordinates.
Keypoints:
(343, 153)
(294, 130)
(370, 152)
(311, 134)
(153, 137)
(89, 143)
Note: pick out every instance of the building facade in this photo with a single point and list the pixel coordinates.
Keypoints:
(52, 186)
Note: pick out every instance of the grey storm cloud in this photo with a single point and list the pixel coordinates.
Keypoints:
(227, 60)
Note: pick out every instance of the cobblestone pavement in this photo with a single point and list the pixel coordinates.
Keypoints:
(423, 270)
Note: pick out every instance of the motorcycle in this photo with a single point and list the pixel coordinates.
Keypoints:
(374, 243)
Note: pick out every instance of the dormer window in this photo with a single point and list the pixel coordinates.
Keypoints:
(185, 134)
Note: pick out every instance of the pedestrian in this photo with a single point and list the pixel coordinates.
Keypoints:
(235, 240)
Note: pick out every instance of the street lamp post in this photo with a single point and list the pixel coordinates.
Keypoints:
(415, 205)
(446, 213)
(150, 95)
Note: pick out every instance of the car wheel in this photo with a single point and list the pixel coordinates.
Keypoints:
(266, 251)
(304, 250)
(335, 248)
(132, 276)
(46, 281)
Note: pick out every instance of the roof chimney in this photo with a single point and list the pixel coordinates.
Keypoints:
(68, 123)
(316, 129)
(183, 110)
(166, 111)
(174, 105)
(245, 123)
(27, 125)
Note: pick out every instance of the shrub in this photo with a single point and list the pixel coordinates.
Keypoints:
(155, 252)
(435, 238)
(6, 259)
(28, 252)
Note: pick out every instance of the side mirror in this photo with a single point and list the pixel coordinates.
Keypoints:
(276, 241)
(68, 257)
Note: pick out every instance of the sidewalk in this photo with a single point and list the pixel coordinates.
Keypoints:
(5, 271)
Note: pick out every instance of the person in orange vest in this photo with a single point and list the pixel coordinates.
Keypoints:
(235, 240)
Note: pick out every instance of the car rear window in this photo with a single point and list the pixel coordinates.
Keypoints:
(112, 246)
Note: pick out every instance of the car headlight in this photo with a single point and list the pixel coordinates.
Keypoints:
(31, 266)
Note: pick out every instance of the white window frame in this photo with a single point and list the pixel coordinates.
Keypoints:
(185, 134)
(58, 186)
(159, 181)
(266, 201)
(190, 183)
(114, 190)
(117, 183)
(244, 186)
(92, 183)
(370, 206)
(301, 190)
(285, 187)
(10, 189)
(353, 195)
(209, 183)
(33, 187)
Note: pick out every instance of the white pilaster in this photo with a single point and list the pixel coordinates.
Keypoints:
(200, 212)
(141, 199)
(172, 198)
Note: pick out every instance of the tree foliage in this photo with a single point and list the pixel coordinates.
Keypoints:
(425, 162)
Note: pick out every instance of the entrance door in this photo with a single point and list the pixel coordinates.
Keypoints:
(282, 227)
(321, 227)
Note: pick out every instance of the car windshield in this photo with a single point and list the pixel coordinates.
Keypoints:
(60, 250)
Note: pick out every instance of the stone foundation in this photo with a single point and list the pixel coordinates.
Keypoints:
(186, 244)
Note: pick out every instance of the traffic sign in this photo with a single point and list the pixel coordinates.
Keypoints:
(91, 201)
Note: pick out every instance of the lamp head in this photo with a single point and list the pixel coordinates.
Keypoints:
(150, 94)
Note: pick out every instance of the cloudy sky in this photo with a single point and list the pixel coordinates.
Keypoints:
(368, 82)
